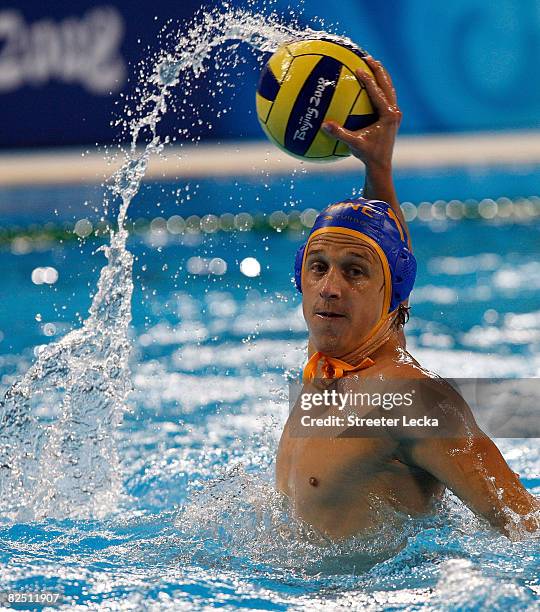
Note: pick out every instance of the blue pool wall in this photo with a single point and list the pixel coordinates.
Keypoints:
(466, 65)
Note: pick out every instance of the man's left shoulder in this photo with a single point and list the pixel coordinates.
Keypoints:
(426, 397)
(437, 402)
(400, 364)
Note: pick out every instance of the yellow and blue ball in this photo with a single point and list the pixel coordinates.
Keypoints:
(305, 83)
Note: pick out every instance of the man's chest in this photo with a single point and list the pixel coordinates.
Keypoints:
(331, 466)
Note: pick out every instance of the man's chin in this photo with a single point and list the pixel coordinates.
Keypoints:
(329, 345)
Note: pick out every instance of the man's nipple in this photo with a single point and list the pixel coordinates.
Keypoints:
(313, 481)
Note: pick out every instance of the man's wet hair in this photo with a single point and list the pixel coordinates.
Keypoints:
(402, 316)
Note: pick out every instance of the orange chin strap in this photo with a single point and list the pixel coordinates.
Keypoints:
(331, 368)
(323, 366)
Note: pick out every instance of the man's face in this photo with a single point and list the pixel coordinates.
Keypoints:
(343, 292)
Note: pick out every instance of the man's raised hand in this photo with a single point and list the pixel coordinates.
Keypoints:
(374, 144)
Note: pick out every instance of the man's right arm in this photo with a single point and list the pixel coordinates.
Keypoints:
(374, 144)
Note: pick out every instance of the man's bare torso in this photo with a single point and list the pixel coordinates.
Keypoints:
(339, 484)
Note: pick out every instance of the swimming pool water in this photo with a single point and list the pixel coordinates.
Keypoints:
(199, 523)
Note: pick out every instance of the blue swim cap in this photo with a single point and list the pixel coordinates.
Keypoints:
(376, 223)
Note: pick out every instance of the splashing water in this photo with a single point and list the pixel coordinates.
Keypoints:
(240, 519)
(70, 468)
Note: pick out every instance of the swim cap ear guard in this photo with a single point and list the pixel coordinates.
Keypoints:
(377, 221)
(298, 260)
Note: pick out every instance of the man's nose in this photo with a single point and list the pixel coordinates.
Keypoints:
(331, 284)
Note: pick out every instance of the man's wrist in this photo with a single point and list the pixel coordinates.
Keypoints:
(379, 182)
(378, 169)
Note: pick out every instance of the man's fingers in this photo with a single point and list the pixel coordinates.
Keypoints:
(386, 108)
(375, 93)
(339, 132)
(382, 77)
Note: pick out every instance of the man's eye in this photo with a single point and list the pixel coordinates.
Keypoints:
(317, 267)
(355, 272)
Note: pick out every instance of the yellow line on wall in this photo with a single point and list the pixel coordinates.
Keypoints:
(69, 166)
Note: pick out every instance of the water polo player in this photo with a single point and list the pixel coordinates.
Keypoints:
(355, 273)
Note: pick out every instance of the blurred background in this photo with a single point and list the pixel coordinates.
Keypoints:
(468, 66)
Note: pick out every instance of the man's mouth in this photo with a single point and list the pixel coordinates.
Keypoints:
(327, 315)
